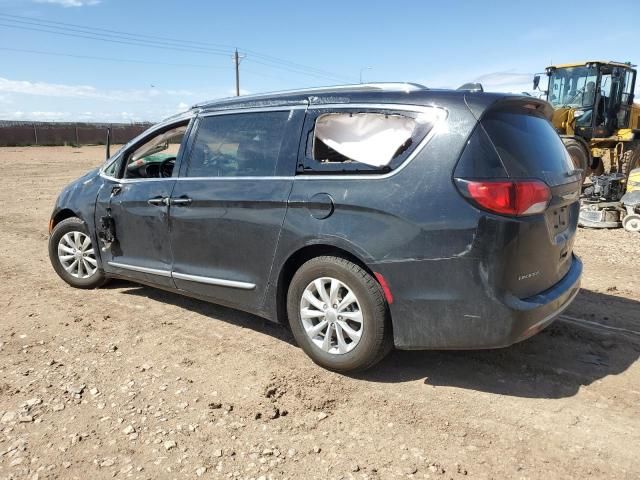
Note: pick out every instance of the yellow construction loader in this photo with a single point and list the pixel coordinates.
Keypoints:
(600, 127)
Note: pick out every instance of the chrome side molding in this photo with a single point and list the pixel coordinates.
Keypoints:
(214, 281)
(221, 282)
(135, 268)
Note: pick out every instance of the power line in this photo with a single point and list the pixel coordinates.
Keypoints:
(110, 59)
(119, 32)
(125, 42)
(272, 59)
(70, 29)
(183, 42)
(135, 61)
(150, 45)
(144, 62)
(291, 70)
(92, 32)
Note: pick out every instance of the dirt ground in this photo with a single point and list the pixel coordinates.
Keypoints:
(132, 382)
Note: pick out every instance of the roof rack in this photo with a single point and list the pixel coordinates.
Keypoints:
(372, 86)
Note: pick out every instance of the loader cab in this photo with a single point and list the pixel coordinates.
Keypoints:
(598, 95)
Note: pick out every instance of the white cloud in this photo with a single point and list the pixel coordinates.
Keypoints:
(39, 100)
(47, 89)
(54, 116)
(17, 115)
(129, 117)
(83, 91)
(70, 3)
(36, 116)
(49, 116)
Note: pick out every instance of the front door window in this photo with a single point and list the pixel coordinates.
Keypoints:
(156, 157)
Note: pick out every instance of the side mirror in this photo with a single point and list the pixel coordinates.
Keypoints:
(536, 82)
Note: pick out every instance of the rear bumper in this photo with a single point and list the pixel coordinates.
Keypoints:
(532, 314)
(477, 321)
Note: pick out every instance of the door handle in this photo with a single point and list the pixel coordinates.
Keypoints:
(115, 190)
(158, 201)
(182, 201)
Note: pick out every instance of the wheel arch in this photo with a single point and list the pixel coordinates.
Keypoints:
(61, 215)
(303, 254)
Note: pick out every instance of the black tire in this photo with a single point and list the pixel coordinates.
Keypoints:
(597, 167)
(580, 156)
(376, 340)
(73, 224)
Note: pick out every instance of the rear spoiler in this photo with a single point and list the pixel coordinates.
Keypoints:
(480, 104)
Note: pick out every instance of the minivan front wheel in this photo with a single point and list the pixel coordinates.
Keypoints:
(338, 314)
(73, 254)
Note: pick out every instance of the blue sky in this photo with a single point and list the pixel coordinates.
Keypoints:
(286, 44)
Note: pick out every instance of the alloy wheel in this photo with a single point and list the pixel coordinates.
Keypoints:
(331, 315)
(76, 254)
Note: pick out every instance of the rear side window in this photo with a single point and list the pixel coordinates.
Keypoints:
(480, 158)
(238, 145)
(370, 138)
(528, 146)
(364, 141)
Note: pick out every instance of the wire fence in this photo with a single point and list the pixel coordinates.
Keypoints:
(20, 134)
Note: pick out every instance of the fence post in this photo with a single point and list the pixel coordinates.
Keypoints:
(35, 133)
(77, 138)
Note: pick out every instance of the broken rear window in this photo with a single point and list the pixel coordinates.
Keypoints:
(364, 141)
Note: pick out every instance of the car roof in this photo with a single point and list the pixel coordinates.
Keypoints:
(389, 92)
(399, 93)
(306, 94)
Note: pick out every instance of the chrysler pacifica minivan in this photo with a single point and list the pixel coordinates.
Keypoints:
(363, 217)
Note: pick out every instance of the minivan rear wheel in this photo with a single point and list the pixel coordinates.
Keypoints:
(73, 254)
(338, 314)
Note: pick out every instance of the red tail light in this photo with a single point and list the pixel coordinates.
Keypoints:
(516, 198)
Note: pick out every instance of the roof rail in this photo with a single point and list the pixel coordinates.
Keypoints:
(385, 86)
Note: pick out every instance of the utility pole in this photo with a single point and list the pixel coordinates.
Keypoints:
(362, 70)
(236, 61)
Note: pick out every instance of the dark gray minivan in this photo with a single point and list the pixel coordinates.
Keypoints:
(364, 217)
